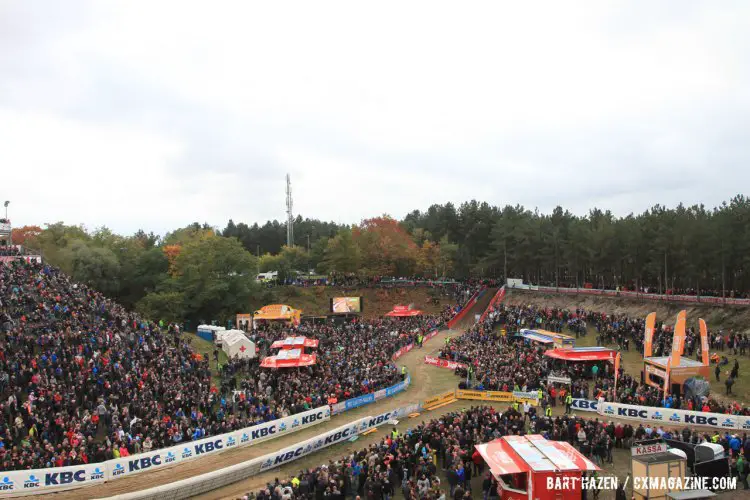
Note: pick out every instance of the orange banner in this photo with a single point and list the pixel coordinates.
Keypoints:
(704, 341)
(648, 342)
(678, 340)
(666, 378)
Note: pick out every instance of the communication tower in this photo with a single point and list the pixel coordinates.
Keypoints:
(289, 215)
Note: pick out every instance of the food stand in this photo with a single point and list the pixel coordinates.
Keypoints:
(522, 466)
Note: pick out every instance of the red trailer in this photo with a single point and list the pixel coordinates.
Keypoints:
(532, 468)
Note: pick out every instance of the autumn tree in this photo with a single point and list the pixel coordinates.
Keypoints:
(386, 247)
(26, 235)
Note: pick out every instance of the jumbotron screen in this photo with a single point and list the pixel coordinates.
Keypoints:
(344, 305)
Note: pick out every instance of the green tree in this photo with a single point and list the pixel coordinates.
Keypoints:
(216, 277)
(342, 255)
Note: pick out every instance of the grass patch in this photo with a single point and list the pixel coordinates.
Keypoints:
(206, 348)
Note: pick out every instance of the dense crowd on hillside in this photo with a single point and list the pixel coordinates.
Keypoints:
(504, 362)
(353, 359)
(82, 380)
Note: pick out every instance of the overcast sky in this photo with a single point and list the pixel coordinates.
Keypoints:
(157, 114)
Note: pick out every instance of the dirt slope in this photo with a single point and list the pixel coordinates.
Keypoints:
(478, 308)
(729, 317)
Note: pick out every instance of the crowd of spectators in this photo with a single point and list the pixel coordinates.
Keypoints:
(438, 459)
(353, 359)
(506, 362)
(82, 380)
(10, 251)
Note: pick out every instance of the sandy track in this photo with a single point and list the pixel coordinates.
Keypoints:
(426, 381)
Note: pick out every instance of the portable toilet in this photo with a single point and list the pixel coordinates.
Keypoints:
(208, 332)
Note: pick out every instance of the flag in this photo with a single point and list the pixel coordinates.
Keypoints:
(666, 378)
(647, 344)
(617, 371)
(678, 339)
(704, 341)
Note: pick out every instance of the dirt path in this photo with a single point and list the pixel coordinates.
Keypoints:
(425, 381)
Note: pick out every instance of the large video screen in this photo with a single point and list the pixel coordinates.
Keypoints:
(346, 305)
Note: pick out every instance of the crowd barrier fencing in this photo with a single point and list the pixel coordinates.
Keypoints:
(685, 299)
(496, 299)
(671, 416)
(581, 404)
(18, 483)
(440, 398)
(532, 397)
(203, 483)
(443, 363)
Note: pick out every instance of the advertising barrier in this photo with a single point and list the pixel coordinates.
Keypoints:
(558, 380)
(365, 399)
(440, 398)
(60, 478)
(532, 397)
(669, 416)
(298, 450)
(584, 404)
(251, 435)
(54, 479)
(383, 418)
(443, 363)
(503, 397)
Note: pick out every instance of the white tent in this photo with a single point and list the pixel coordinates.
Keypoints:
(235, 343)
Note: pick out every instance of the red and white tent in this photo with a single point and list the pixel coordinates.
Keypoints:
(583, 354)
(289, 358)
(295, 343)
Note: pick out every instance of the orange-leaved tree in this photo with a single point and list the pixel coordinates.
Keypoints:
(386, 247)
(26, 235)
(172, 252)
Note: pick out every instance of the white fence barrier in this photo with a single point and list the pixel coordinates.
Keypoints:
(187, 488)
(18, 483)
(670, 416)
